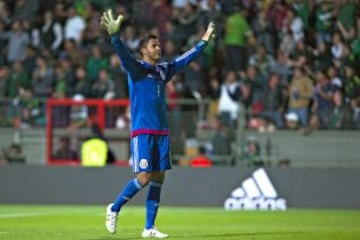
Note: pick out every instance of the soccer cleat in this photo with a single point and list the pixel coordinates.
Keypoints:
(111, 219)
(153, 233)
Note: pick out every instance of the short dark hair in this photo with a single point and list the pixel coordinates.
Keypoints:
(145, 40)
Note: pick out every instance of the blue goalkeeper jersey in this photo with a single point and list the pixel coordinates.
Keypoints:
(147, 87)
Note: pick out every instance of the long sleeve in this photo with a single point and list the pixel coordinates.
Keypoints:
(127, 60)
(184, 60)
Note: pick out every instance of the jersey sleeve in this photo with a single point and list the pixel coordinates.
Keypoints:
(130, 64)
(182, 61)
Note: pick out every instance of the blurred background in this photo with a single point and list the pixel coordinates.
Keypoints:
(278, 88)
(281, 68)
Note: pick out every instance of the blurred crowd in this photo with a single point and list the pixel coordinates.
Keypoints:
(281, 63)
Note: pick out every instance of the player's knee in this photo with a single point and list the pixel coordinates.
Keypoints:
(158, 177)
(144, 178)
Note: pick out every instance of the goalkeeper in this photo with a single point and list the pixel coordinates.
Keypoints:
(150, 148)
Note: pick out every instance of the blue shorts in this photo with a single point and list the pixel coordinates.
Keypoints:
(150, 153)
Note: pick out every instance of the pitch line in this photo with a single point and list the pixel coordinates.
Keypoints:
(21, 215)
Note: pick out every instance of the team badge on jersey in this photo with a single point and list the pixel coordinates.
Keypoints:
(143, 163)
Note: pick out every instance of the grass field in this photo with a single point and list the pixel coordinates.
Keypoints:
(87, 223)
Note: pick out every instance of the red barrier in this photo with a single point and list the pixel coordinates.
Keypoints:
(98, 104)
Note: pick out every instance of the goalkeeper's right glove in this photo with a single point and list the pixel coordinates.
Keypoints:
(108, 22)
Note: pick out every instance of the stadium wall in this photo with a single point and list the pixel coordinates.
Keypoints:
(322, 149)
(300, 187)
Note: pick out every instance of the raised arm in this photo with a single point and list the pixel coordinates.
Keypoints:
(112, 26)
(181, 62)
(126, 58)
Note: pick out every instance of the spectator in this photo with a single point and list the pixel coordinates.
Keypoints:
(17, 79)
(95, 62)
(346, 15)
(323, 23)
(276, 26)
(29, 61)
(264, 31)
(26, 10)
(82, 85)
(263, 62)
(187, 20)
(119, 77)
(334, 77)
(338, 47)
(26, 110)
(251, 83)
(252, 153)
(60, 13)
(230, 94)
(104, 86)
(66, 73)
(303, 9)
(237, 31)
(322, 57)
(93, 33)
(340, 115)
(201, 160)
(4, 14)
(51, 33)
(43, 78)
(222, 138)
(73, 51)
(323, 101)
(194, 75)
(3, 44)
(14, 154)
(281, 68)
(277, 13)
(295, 25)
(300, 56)
(65, 152)
(300, 93)
(18, 40)
(274, 106)
(74, 26)
(4, 73)
(131, 38)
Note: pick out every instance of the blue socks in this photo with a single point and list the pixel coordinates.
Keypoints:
(127, 193)
(152, 203)
(152, 200)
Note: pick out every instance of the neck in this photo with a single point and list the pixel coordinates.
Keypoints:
(149, 61)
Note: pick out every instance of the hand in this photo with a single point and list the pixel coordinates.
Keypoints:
(108, 22)
(210, 32)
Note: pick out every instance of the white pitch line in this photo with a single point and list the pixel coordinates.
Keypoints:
(21, 215)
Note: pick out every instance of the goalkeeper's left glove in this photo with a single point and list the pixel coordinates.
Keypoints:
(108, 22)
(210, 32)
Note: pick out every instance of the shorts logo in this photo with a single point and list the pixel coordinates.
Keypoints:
(143, 163)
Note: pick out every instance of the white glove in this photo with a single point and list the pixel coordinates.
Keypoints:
(210, 32)
(108, 22)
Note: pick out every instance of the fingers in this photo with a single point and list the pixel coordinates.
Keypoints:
(103, 22)
(110, 15)
(211, 26)
(119, 19)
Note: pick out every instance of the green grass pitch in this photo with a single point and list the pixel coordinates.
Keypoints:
(87, 223)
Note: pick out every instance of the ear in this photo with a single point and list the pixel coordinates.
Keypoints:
(142, 51)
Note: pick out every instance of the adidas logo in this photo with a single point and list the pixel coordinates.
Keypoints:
(256, 193)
